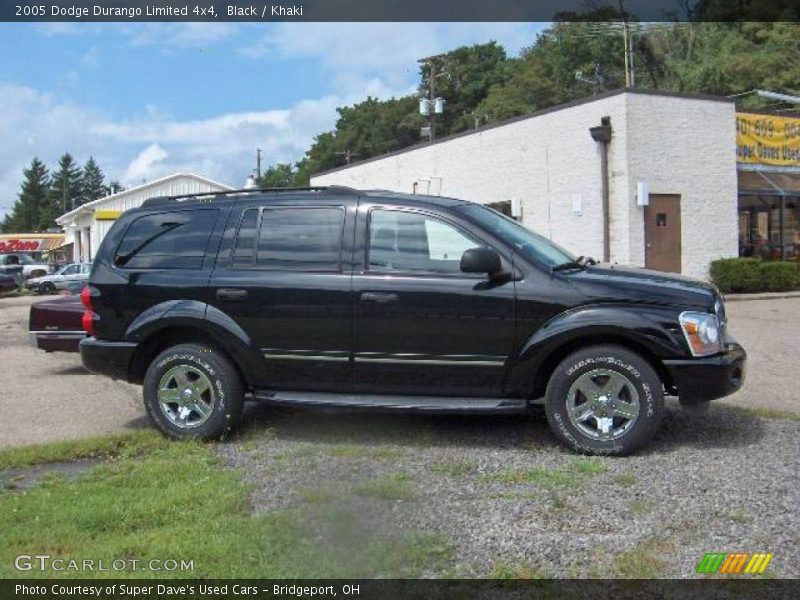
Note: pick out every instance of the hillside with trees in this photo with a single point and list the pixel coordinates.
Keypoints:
(567, 61)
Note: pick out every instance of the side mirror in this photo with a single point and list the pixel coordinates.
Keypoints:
(481, 260)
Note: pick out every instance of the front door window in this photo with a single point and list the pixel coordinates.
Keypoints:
(413, 242)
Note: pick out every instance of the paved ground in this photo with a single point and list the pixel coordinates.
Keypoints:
(770, 332)
(47, 397)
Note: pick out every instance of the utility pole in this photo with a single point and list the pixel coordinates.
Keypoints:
(435, 105)
(629, 76)
(348, 156)
(258, 163)
(433, 98)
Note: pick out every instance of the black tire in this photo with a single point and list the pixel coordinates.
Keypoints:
(224, 380)
(593, 362)
(47, 287)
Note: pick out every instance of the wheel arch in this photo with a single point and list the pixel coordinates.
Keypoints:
(188, 323)
(646, 330)
(549, 363)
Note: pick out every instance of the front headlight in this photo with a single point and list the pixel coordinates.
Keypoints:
(702, 333)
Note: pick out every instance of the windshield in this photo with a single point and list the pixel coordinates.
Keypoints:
(530, 244)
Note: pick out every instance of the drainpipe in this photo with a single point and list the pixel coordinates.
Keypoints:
(602, 135)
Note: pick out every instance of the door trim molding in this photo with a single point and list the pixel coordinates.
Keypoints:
(315, 355)
(459, 360)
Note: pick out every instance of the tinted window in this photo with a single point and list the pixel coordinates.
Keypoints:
(244, 251)
(169, 240)
(526, 242)
(405, 241)
(308, 239)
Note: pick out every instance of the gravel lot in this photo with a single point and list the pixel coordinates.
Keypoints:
(503, 496)
(497, 495)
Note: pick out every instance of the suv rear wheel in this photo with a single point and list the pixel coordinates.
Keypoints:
(192, 391)
(604, 400)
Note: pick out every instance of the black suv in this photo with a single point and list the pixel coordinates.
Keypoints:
(374, 299)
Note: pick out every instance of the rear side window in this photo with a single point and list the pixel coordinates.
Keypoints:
(168, 240)
(305, 239)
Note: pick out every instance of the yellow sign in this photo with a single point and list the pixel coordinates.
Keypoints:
(767, 140)
(107, 215)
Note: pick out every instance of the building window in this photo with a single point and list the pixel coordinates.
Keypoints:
(760, 227)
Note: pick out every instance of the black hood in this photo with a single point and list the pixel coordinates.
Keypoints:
(613, 282)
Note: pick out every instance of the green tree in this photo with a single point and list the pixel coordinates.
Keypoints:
(280, 175)
(363, 130)
(115, 187)
(557, 68)
(66, 188)
(463, 78)
(92, 182)
(32, 201)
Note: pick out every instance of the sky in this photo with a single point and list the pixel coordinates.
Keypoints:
(149, 99)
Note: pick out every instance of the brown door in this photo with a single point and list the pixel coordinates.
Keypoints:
(662, 233)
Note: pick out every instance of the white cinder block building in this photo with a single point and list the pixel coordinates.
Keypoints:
(86, 226)
(671, 176)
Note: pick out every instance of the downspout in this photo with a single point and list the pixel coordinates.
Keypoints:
(602, 135)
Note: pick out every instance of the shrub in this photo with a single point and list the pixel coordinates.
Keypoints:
(780, 276)
(736, 274)
(754, 275)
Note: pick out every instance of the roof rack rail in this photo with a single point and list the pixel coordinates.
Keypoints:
(159, 200)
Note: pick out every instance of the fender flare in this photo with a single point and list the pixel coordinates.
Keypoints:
(652, 329)
(203, 317)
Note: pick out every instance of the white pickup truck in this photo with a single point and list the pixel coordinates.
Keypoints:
(22, 266)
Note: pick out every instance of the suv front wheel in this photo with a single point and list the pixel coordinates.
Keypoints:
(604, 400)
(192, 391)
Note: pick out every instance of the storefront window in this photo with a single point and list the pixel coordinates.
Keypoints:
(760, 227)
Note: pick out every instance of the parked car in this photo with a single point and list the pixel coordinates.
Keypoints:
(22, 266)
(55, 325)
(336, 297)
(48, 284)
(8, 283)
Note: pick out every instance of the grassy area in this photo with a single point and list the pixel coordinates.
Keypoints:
(392, 487)
(112, 446)
(574, 475)
(153, 499)
(17, 293)
(646, 561)
(453, 468)
(502, 570)
(765, 413)
(625, 479)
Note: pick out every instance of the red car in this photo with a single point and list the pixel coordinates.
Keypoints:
(7, 283)
(55, 325)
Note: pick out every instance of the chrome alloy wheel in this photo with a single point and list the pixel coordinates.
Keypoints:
(186, 396)
(603, 404)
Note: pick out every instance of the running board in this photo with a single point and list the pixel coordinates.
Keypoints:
(427, 404)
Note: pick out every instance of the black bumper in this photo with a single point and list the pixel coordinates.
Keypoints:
(112, 359)
(703, 379)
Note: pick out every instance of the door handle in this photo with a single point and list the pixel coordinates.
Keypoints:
(231, 294)
(379, 297)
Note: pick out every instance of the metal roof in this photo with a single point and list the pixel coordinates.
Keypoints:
(90, 205)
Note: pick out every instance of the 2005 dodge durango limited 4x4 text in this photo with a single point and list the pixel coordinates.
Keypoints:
(337, 297)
